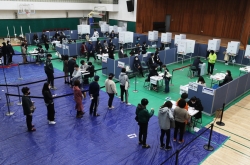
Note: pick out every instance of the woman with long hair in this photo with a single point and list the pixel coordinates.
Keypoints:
(48, 99)
(201, 81)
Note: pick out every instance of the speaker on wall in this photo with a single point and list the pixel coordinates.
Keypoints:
(130, 6)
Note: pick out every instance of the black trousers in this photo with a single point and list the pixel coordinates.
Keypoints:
(50, 78)
(210, 68)
(163, 132)
(91, 54)
(111, 97)
(123, 91)
(70, 74)
(141, 71)
(51, 112)
(94, 105)
(29, 122)
(10, 58)
(5, 59)
(179, 126)
(143, 131)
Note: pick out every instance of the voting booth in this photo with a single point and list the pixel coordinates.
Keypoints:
(166, 37)
(214, 45)
(186, 46)
(113, 28)
(83, 29)
(178, 38)
(233, 47)
(247, 52)
(153, 35)
(126, 37)
(104, 28)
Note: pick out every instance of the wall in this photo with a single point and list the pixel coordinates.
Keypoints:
(222, 18)
(246, 30)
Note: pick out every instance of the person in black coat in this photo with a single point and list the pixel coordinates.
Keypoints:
(137, 65)
(112, 34)
(43, 37)
(46, 44)
(111, 52)
(157, 58)
(132, 52)
(94, 89)
(151, 61)
(10, 52)
(71, 66)
(162, 46)
(91, 70)
(49, 70)
(111, 43)
(4, 53)
(196, 103)
(196, 63)
(144, 48)
(48, 99)
(121, 53)
(227, 79)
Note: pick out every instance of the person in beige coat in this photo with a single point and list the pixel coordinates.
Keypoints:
(24, 52)
(110, 89)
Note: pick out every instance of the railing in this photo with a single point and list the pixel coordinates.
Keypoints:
(71, 1)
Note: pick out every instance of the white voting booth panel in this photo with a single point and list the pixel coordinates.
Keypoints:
(218, 41)
(126, 37)
(214, 45)
(111, 28)
(120, 29)
(166, 37)
(101, 23)
(153, 35)
(233, 47)
(115, 28)
(247, 53)
(182, 47)
(104, 28)
(178, 38)
(83, 29)
(190, 46)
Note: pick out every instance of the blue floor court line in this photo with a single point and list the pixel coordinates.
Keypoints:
(86, 141)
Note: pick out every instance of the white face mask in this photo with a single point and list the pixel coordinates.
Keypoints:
(226, 73)
(136, 59)
(193, 102)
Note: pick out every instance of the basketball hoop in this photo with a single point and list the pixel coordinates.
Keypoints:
(27, 9)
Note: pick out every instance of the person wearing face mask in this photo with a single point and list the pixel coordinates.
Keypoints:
(28, 108)
(137, 42)
(165, 115)
(157, 58)
(121, 53)
(211, 62)
(132, 52)
(111, 90)
(111, 52)
(124, 85)
(138, 49)
(111, 43)
(196, 104)
(100, 52)
(106, 50)
(227, 79)
(95, 34)
(144, 48)
(10, 52)
(97, 45)
(167, 78)
(151, 61)
(137, 65)
(49, 70)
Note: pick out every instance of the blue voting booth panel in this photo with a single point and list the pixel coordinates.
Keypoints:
(162, 56)
(202, 50)
(241, 85)
(248, 82)
(118, 69)
(196, 50)
(172, 44)
(231, 92)
(111, 66)
(170, 56)
(206, 99)
(59, 50)
(78, 48)
(219, 97)
(105, 65)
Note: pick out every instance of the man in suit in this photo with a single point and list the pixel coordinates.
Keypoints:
(94, 89)
(196, 63)
(151, 61)
(144, 48)
(121, 53)
(91, 50)
(71, 66)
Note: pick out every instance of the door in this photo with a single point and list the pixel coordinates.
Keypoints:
(167, 22)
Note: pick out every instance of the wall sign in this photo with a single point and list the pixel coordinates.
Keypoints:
(209, 91)
(121, 64)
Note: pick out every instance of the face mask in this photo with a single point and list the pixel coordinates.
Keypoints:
(136, 59)
(226, 73)
(155, 68)
(193, 102)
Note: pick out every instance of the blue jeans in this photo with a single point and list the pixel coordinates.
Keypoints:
(166, 85)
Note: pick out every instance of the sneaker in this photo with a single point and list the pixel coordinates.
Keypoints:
(128, 104)
(181, 141)
(111, 107)
(162, 146)
(146, 146)
(52, 122)
(168, 148)
(32, 130)
(174, 140)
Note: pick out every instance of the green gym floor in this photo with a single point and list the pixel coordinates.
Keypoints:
(156, 99)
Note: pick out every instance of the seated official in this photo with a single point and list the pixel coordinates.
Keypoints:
(106, 50)
(227, 79)
(100, 52)
(137, 65)
(112, 34)
(153, 72)
(144, 48)
(196, 64)
(157, 58)
(111, 44)
(132, 52)
(95, 34)
(106, 34)
(105, 44)
(151, 61)
(201, 81)
(111, 52)
(121, 53)
(137, 42)
(137, 49)
(196, 103)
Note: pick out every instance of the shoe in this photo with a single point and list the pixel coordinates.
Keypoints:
(128, 104)
(52, 122)
(33, 125)
(146, 146)
(96, 115)
(181, 141)
(79, 116)
(82, 113)
(162, 146)
(54, 88)
(111, 107)
(32, 130)
(140, 142)
(65, 82)
(174, 140)
(168, 148)
(122, 101)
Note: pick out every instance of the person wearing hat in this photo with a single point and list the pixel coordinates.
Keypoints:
(90, 50)
(94, 89)
(84, 49)
(110, 89)
(49, 70)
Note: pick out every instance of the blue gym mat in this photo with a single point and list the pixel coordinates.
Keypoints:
(88, 141)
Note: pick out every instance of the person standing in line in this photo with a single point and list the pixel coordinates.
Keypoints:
(91, 50)
(66, 69)
(10, 52)
(94, 89)
(165, 116)
(124, 85)
(71, 66)
(78, 99)
(28, 108)
(49, 70)
(48, 99)
(211, 62)
(24, 52)
(167, 77)
(84, 50)
(180, 116)
(142, 117)
(110, 89)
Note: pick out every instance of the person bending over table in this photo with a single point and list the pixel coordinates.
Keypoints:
(153, 72)
(227, 79)
(211, 61)
(137, 65)
(196, 103)
(196, 63)
(201, 81)
(157, 58)
(167, 78)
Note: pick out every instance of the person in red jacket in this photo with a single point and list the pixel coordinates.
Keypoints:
(78, 99)
(84, 49)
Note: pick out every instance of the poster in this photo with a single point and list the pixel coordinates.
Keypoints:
(209, 91)
(104, 59)
(121, 64)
